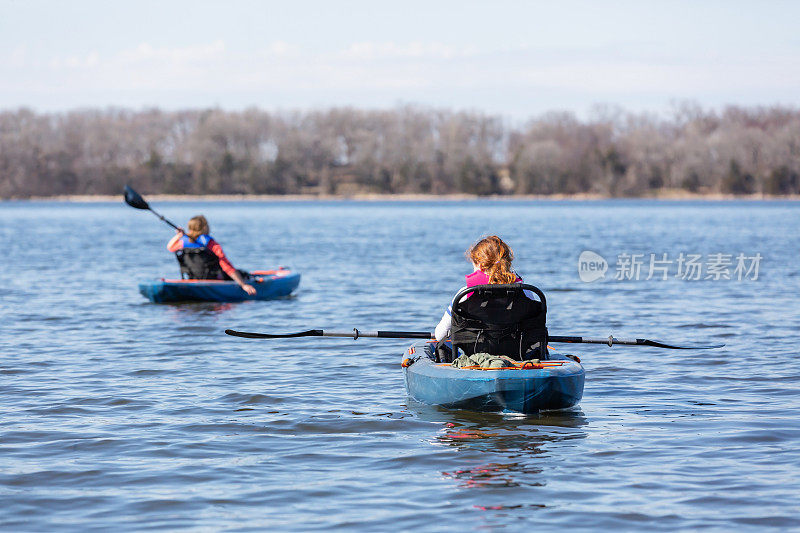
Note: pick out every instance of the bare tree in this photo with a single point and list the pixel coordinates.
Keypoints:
(409, 149)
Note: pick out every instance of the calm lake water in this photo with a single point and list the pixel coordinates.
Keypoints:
(116, 413)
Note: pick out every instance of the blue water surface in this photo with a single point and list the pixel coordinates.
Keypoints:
(119, 414)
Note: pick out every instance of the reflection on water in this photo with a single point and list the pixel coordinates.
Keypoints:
(518, 445)
(566, 418)
(197, 309)
(493, 475)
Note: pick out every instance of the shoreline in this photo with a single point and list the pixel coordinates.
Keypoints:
(667, 196)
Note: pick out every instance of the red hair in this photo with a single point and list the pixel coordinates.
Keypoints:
(493, 257)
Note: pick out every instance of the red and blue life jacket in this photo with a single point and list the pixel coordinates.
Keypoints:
(197, 261)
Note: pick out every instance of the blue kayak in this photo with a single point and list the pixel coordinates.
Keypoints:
(557, 385)
(269, 284)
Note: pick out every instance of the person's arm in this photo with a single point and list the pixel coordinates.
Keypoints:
(176, 243)
(226, 265)
(249, 289)
(443, 328)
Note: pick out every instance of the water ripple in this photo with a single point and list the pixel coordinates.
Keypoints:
(120, 414)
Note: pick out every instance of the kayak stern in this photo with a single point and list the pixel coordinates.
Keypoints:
(512, 390)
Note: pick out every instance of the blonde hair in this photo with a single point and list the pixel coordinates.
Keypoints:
(197, 226)
(493, 257)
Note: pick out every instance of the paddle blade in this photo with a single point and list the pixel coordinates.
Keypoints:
(659, 344)
(614, 341)
(249, 335)
(133, 199)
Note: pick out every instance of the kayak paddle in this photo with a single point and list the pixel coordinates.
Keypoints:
(134, 199)
(355, 334)
(633, 342)
(320, 333)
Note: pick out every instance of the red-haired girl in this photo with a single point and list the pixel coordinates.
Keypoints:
(491, 259)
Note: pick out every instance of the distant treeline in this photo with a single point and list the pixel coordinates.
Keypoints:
(404, 150)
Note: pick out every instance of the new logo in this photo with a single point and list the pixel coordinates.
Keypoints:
(591, 266)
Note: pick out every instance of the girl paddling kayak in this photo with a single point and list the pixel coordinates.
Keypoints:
(201, 257)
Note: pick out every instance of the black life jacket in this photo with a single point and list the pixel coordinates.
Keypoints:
(500, 320)
(197, 261)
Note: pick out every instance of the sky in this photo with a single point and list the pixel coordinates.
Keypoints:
(514, 58)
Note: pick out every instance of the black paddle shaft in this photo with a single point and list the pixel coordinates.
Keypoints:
(135, 200)
(355, 334)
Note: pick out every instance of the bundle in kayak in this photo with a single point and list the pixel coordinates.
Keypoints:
(269, 284)
(507, 322)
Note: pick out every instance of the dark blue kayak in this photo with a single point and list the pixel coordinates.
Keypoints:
(558, 385)
(269, 285)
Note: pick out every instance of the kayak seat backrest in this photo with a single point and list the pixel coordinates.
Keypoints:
(199, 263)
(500, 320)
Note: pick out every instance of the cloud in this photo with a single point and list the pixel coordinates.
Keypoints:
(16, 58)
(412, 50)
(391, 71)
(145, 53)
(280, 49)
(75, 62)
